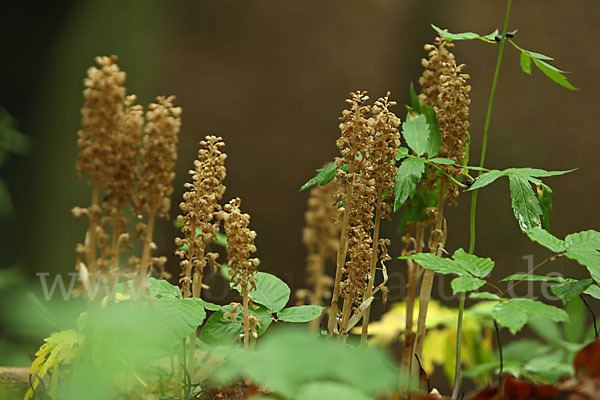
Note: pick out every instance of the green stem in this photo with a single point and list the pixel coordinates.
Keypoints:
(486, 128)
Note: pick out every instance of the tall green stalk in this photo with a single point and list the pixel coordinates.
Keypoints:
(486, 127)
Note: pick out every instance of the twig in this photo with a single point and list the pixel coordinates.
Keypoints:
(499, 353)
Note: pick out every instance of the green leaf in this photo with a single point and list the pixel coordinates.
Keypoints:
(524, 202)
(593, 291)
(414, 100)
(484, 296)
(570, 289)
(546, 329)
(414, 210)
(465, 35)
(544, 193)
(466, 283)
(222, 330)
(402, 152)
(553, 73)
(540, 309)
(485, 179)
(434, 141)
(162, 288)
(510, 316)
(437, 264)
(408, 175)
(271, 292)
(539, 56)
(525, 62)
(535, 172)
(330, 390)
(179, 317)
(546, 239)
(324, 175)
(584, 247)
(416, 132)
(513, 314)
(574, 329)
(534, 278)
(480, 267)
(443, 161)
(300, 313)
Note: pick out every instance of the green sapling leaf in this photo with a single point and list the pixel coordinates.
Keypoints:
(570, 289)
(553, 73)
(584, 247)
(300, 313)
(416, 133)
(408, 175)
(477, 266)
(546, 239)
(466, 283)
(324, 175)
(533, 278)
(465, 35)
(525, 62)
(525, 204)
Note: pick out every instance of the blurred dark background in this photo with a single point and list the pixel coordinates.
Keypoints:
(271, 78)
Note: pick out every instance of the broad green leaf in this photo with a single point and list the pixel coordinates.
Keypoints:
(525, 62)
(416, 132)
(324, 176)
(574, 329)
(534, 278)
(553, 73)
(402, 152)
(540, 309)
(570, 288)
(480, 267)
(546, 239)
(485, 179)
(522, 350)
(162, 288)
(330, 390)
(544, 193)
(443, 161)
(408, 175)
(179, 317)
(466, 283)
(524, 202)
(510, 316)
(484, 296)
(270, 291)
(584, 247)
(300, 313)
(593, 291)
(465, 35)
(209, 306)
(438, 264)
(222, 330)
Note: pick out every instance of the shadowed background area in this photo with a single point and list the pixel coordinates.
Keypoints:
(271, 79)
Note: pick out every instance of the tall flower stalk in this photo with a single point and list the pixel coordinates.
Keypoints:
(240, 246)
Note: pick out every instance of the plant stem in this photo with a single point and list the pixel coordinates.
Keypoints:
(91, 257)
(245, 311)
(372, 269)
(319, 288)
(488, 118)
(499, 353)
(427, 282)
(341, 257)
(145, 262)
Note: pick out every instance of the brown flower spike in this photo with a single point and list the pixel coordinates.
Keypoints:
(199, 206)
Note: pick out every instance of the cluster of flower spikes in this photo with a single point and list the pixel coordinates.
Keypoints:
(321, 235)
(368, 144)
(444, 87)
(240, 245)
(200, 207)
(108, 150)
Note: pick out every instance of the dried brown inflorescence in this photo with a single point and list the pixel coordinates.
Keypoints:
(156, 172)
(444, 87)
(321, 236)
(240, 246)
(130, 167)
(368, 143)
(200, 207)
